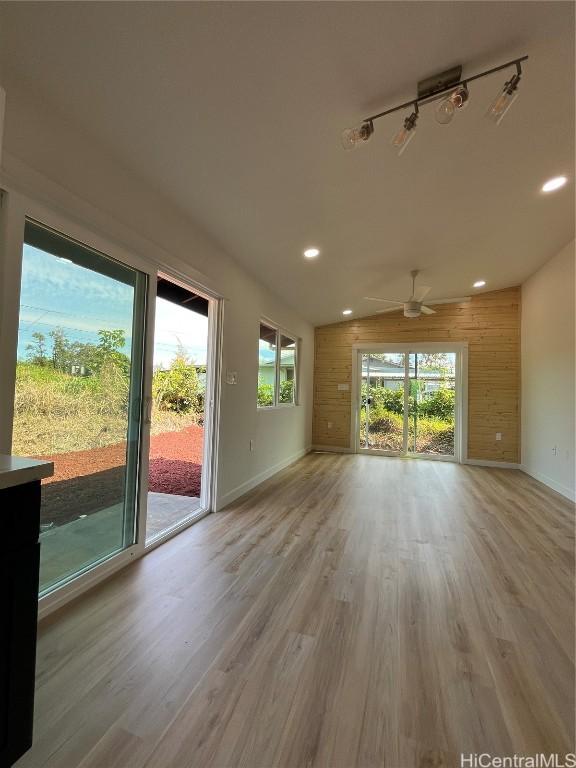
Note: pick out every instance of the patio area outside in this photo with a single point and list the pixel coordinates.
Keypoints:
(82, 503)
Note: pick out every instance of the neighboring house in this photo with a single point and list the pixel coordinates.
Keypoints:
(266, 372)
(386, 373)
(266, 365)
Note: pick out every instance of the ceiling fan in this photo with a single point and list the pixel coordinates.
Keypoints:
(414, 306)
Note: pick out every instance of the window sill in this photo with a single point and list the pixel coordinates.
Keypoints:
(264, 408)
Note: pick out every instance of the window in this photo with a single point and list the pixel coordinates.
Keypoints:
(267, 355)
(287, 369)
(276, 367)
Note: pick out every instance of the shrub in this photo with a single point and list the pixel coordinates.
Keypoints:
(433, 435)
(439, 404)
(382, 420)
(286, 391)
(177, 389)
(265, 394)
(391, 400)
(114, 387)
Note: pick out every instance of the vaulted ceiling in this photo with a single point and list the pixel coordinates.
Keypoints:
(234, 112)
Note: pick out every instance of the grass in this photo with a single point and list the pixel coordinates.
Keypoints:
(55, 412)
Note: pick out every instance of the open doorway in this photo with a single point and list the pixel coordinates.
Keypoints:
(177, 435)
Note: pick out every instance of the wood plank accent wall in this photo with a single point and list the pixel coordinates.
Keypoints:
(490, 323)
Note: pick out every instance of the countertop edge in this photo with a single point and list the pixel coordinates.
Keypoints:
(18, 470)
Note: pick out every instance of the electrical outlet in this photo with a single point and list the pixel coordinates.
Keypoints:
(231, 377)
(555, 451)
(329, 425)
(498, 435)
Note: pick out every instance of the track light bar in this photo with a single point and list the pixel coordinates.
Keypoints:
(439, 94)
(454, 94)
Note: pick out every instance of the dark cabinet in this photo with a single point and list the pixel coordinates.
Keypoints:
(19, 567)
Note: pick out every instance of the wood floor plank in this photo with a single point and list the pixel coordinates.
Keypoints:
(351, 612)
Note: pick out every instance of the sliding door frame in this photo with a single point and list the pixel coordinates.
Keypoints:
(16, 208)
(460, 349)
(211, 410)
(358, 400)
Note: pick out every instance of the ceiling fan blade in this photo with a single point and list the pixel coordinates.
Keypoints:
(426, 310)
(457, 300)
(388, 301)
(389, 309)
(421, 292)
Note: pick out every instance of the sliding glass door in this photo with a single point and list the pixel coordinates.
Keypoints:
(431, 403)
(408, 401)
(382, 402)
(78, 397)
(86, 380)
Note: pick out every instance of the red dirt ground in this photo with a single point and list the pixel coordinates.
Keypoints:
(175, 462)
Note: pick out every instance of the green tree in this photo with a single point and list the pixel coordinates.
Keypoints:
(61, 354)
(111, 341)
(106, 352)
(37, 349)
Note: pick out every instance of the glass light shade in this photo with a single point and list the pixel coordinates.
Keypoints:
(351, 137)
(403, 138)
(445, 112)
(501, 105)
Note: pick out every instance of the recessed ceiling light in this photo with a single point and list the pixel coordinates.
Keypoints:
(311, 253)
(346, 311)
(555, 183)
(479, 284)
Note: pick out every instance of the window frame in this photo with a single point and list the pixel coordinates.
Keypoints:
(279, 332)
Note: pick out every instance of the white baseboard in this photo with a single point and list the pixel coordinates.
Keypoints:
(491, 463)
(248, 485)
(555, 486)
(331, 449)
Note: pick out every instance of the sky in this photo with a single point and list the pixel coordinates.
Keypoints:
(175, 325)
(58, 294)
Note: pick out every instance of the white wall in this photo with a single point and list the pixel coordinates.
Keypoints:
(49, 160)
(548, 382)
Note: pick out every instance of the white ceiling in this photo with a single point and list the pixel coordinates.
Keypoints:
(234, 111)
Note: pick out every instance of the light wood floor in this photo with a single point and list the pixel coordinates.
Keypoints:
(354, 611)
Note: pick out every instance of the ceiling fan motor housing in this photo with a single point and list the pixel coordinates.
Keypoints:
(412, 309)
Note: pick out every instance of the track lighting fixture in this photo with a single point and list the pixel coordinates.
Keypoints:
(448, 107)
(405, 134)
(352, 137)
(506, 98)
(453, 94)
